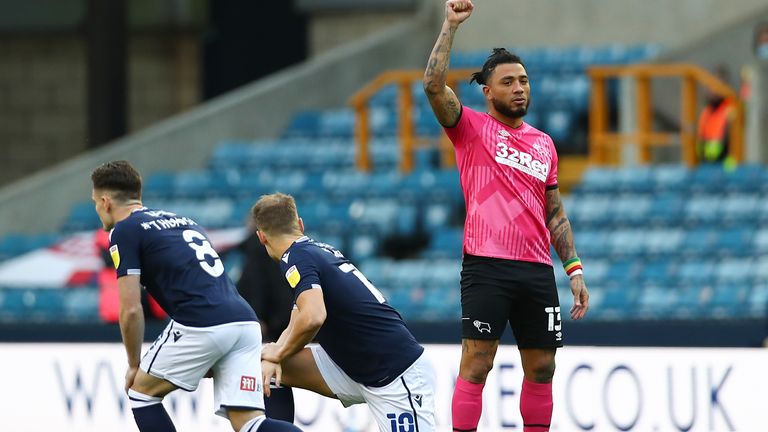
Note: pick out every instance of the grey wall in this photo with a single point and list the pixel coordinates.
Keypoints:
(530, 23)
(41, 202)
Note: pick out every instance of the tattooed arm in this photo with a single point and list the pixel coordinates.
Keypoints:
(562, 239)
(444, 102)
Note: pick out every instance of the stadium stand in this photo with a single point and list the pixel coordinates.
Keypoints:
(656, 241)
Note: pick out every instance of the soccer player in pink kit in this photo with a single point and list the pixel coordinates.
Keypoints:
(508, 172)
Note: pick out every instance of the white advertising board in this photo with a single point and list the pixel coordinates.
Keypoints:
(79, 387)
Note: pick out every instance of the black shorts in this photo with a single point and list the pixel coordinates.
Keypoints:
(494, 291)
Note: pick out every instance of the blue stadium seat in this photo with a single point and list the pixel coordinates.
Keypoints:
(591, 210)
(626, 243)
(618, 303)
(708, 179)
(735, 241)
(634, 179)
(701, 241)
(592, 243)
(655, 302)
(760, 242)
(303, 124)
(739, 208)
(631, 210)
(597, 179)
(757, 302)
(445, 243)
(745, 179)
(623, 272)
(761, 270)
(361, 246)
(663, 242)
(82, 217)
(435, 216)
(159, 185)
(667, 210)
(689, 302)
(696, 272)
(703, 209)
(386, 97)
(729, 301)
(559, 124)
(734, 271)
(659, 272)
(670, 178)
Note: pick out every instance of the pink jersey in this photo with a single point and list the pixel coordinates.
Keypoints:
(504, 173)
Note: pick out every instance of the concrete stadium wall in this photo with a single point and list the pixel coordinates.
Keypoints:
(41, 202)
(43, 111)
(531, 23)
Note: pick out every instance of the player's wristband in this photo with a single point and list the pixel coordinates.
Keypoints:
(573, 267)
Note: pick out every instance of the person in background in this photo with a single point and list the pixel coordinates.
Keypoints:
(109, 295)
(264, 287)
(761, 41)
(713, 132)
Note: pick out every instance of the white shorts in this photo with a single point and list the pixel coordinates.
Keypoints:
(182, 355)
(406, 404)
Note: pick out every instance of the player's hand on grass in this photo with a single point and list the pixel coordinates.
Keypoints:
(130, 375)
(580, 297)
(457, 11)
(268, 371)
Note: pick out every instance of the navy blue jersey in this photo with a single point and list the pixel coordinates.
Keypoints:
(179, 267)
(364, 335)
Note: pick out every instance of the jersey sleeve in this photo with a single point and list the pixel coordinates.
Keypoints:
(124, 248)
(464, 129)
(552, 176)
(300, 271)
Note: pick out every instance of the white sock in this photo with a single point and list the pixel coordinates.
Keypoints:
(140, 400)
(253, 424)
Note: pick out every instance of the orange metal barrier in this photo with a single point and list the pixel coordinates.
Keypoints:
(404, 80)
(603, 144)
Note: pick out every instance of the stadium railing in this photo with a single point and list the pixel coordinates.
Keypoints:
(605, 145)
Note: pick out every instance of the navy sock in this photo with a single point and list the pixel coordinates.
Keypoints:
(271, 425)
(279, 405)
(153, 418)
(149, 413)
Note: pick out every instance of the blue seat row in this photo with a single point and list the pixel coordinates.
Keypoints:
(707, 179)
(48, 304)
(676, 302)
(647, 243)
(12, 245)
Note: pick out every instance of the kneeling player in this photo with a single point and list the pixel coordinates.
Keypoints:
(211, 326)
(366, 354)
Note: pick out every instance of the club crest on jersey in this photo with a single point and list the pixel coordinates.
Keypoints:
(115, 254)
(293, 276)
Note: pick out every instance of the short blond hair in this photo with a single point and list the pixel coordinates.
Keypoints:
(276, 214)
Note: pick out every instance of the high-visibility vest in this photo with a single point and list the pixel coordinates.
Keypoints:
(713, 123)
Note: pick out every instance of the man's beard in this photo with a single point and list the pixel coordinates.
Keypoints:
(507, 111)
